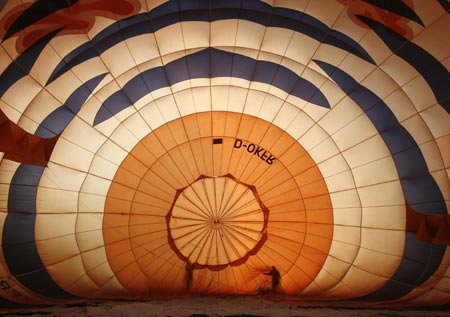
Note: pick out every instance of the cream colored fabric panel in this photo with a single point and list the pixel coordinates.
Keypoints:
(89, 238)
(80, 132)
(168, 108)
(370, 150)
(259, 86)
(312, 110)
(10, 111)
(329, 54)
(71, 155)
(249, 34)
(340, 115)
(109, 58)
(328, 16)
(298, 5)
(418, 128)
(321, 281)
(325, 150)
(89, 110)
(50, 226)
(152, 115)
(356, 283)
(384, 194)
(99, 271)
(313, 137)
(270, 107)
(170, 39)
(297, 123)
(340, 182)
(343, 251)
(276, 40)
(254, 102)
(432, 38)
(124, 138)
(359, 69)
(383, 246)
(50, 57)
(64, 45)
(134, 71)
(137, 126)
(437, 119)
(83, 287)
(236, 99)
(435, 158)
(112, 152)
(379, 171)
(92, 194)
(186, 99)
(72, 282)
(104, 164)
(384, 217)
(346, 137)
(333, 166)
(401, 105)
(82, 72)
(21, 101)
(66, 202)
(380, 84)
(58, 249)
(85, 71)
(219, 96)
(419, 92)
(223, 33)
(195, 34)
(173, 56)
(301, 48)
(407, 77)
(202, 99)
(89, 234)
(380, 264)
(346, 207)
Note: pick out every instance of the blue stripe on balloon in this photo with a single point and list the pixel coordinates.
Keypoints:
(445, 5)
(432, 70)
(171, 13)
(420, 259)
(209, 63)
(23, 64)
(18, 240)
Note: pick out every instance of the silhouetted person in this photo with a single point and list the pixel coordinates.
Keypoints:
(189, 272)
(276, 278)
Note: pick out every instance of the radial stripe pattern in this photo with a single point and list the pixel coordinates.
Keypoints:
(217, 221)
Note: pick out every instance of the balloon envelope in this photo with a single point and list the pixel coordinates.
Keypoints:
(159, 148)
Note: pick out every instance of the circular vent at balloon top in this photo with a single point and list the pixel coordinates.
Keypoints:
(217, 221)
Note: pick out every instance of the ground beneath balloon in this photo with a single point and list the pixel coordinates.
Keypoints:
(238, 306)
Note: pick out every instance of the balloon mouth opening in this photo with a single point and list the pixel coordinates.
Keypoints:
(217, 221)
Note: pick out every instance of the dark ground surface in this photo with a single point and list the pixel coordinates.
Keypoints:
(237, 306)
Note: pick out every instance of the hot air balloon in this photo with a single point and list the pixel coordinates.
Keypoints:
(159, 148)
